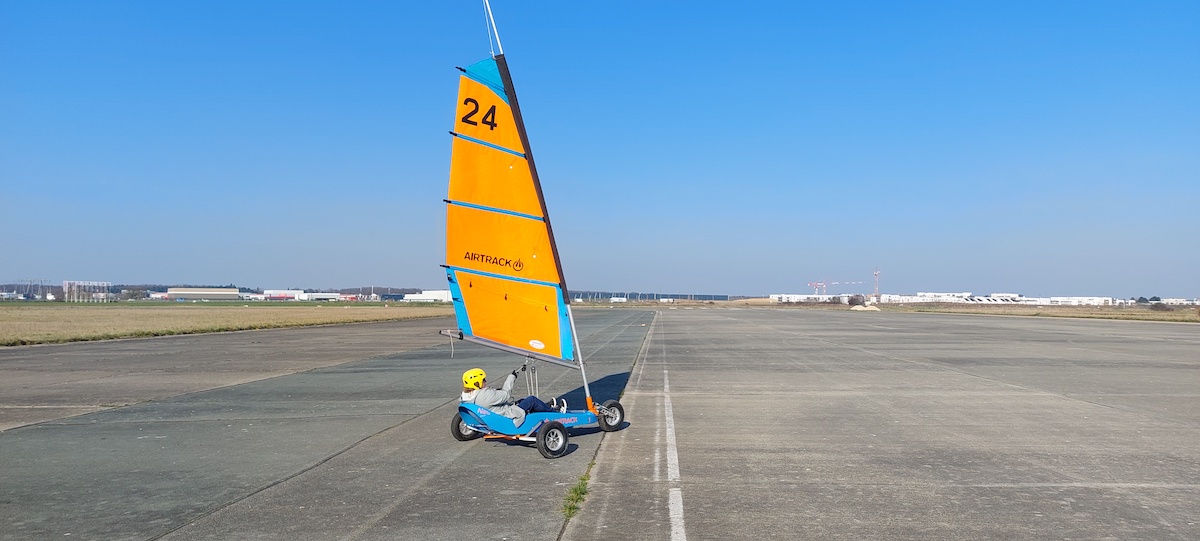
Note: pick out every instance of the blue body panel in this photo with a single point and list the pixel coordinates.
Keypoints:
(488, 421)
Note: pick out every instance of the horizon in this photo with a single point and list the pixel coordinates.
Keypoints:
(575, 292)
(1023, 147)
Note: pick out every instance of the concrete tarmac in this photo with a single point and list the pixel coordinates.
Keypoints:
(782, 424)
(47, 382)
(742, 424)
(312, 433)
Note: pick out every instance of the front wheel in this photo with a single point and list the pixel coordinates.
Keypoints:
(611, 416)
(460, 430)
(552, 440)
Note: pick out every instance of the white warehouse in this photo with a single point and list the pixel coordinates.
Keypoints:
(432, 295)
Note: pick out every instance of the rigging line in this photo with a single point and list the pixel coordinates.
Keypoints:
(487, 25)
(495, 31)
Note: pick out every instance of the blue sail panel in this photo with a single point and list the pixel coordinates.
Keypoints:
(487, 73)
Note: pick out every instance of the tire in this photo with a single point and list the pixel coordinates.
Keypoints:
(552, 439)
(612, 417)
(460, 430)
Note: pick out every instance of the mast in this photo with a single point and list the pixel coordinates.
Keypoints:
(492, 20)
(511, 92)
(505, 294)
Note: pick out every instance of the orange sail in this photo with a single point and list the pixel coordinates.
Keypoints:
(501, 260)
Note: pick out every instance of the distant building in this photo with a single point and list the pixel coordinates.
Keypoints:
(794, 298)
(997, 299)
(433, 295)
(302, 296)
(202, 293)
(1081, 301)
(632, 296)
(282, 294)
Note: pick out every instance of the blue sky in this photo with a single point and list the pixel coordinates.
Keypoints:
(748, 148)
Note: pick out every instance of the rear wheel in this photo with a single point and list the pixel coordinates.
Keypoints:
(552, 440)
(611, 416)
(460, 430)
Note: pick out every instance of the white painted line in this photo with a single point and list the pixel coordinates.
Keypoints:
(658, 433)
(672, 451)
(675, 501)
(643, 353)
(676, 506)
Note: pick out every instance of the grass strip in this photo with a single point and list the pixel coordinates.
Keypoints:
(49, 323)
(577, 493)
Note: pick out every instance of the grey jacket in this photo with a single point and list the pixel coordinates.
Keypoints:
(498, 400)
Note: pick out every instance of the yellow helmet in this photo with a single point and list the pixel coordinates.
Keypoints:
(473, 378)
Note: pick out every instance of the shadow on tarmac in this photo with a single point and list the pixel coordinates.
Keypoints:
(606, 388)
(571, 447)
(589, 430)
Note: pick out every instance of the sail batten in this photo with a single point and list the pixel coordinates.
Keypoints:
(503, 277)
(489, 145)
(499, 210)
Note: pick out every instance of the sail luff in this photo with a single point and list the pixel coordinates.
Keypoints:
(511, 93)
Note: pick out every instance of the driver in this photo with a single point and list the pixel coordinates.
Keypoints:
(500, 400)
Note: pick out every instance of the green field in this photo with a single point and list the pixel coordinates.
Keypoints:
(51, 322)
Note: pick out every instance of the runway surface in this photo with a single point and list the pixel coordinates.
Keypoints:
(811, 425)
(743, 424)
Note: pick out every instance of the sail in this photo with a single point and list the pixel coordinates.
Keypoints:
(501, 261)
